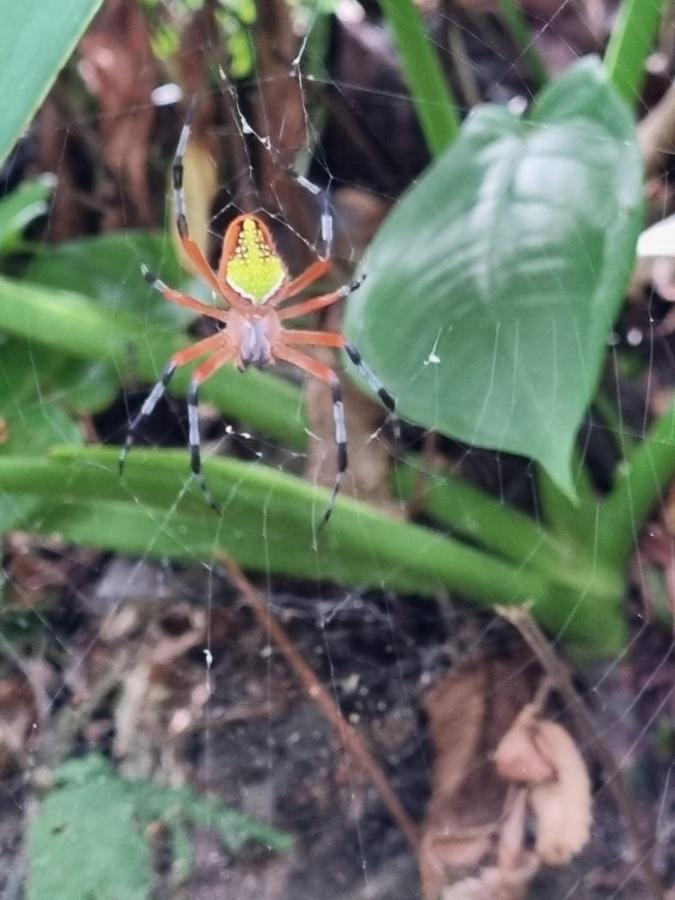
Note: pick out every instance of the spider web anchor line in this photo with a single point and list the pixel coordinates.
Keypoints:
(322, 194)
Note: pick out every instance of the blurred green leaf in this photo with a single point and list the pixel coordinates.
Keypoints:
(36, 39)
(33, 414)
(107, 269)
(633, 35)
(89, 836)
(138, 346)
(19, 208)
(84, 842)
(494, 283)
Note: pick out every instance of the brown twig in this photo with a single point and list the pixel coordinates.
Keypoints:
(557, 671)
(350, 738)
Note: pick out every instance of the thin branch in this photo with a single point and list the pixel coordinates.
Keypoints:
(349, 736)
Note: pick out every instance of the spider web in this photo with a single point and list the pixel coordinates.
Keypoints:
(229, 716)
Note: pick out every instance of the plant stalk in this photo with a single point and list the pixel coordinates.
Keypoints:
(431, 94)
(641, 483)
(631, 42)
(359, 546)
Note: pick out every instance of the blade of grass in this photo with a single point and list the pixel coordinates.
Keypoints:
(476, 515)
(151, 513)
(76, 325)
(641, 483)
(511, 534)
(630, 44)
(431, 94)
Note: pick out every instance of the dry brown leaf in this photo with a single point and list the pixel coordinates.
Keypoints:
(118, 67)
(469, 712)
(495, 883)
(512, 833)
(543, 755)
(518, 757)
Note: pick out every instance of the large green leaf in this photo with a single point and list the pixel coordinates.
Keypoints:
(493, 285)
(36, 39)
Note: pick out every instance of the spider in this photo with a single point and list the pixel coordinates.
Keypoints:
(253, 279)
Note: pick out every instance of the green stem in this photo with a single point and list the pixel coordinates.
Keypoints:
(640, 485)
(431, 94)
(564, 517)
(480, 518)
(476, 515)
(517, 25)
(632, 38)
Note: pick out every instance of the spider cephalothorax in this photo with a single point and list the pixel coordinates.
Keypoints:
(253, 279)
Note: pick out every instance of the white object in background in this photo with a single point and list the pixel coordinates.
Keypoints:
(658, 240)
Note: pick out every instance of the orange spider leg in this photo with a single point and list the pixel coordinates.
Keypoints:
(201, 348)
(182, 299)
(307, 363)
(309, 306)
(194, 252)
(181, 358)
(309, 276)
(204, 371)
(313, 338)
(324, 373)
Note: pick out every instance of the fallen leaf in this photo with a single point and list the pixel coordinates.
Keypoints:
(542, 755)
(518, 757)
(469, 816)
